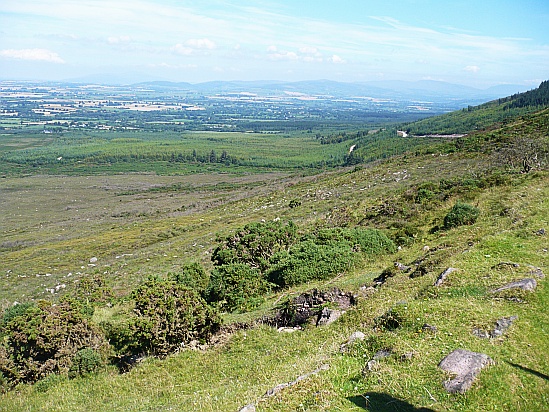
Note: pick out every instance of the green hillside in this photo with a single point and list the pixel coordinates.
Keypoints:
(484, 116)
(169, 291)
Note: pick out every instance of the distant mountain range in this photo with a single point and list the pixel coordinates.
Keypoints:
(421, 90)
(399, 90)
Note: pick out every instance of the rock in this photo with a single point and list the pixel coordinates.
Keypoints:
(309, 308)
(354, 337)
(541, 232)
(328, 316)
(407, 356)
(481, 333)
(402, 267)
(284, 329)
(466, 366)
(536, 272)
(442, 277)
(247, 408)
(383, 353)
(93, 260)
(503, 264)
(502, 325)
(371, 366)
(528, 284)
(429, 328)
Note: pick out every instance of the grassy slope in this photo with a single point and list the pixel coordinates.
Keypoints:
(227, 377)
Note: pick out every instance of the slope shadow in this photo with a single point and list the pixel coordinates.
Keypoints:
(532, 371)
(381, 402)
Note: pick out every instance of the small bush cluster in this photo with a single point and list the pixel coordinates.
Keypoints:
(168, 316)
(45, 339)
(461, 214)
(265, 256)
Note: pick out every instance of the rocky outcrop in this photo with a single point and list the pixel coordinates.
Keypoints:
(310, 307)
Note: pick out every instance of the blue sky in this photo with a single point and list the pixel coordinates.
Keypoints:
(476, 43)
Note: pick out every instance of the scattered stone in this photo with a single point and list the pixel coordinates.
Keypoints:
(402, 267)
(284, 329)
(429, 328)
(541, 232)
(442, 277)
(528, 284)
(93, 260)
(536, 272)
(354, 337)
(371, 366)
(502, 325)
(466, 366)
(248, 408)
(407, 356)
(328, 316)
(383, 353)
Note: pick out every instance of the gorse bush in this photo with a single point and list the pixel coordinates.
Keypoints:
(85, 361)
(262, 256)
(193, 276)
(254, 244)
(307, 261)
(13, 311)
(168, 316)
(461, 214)
(237, 286)
(45, 339)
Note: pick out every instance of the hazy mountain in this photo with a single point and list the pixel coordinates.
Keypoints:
(424, 89)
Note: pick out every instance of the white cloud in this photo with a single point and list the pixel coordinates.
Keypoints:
(283, 55)
(119, 39)
(472, 69)
(183, 50)
(336, 59)
(194, 46)
(32, 54)
(309, 50)
(201, 44)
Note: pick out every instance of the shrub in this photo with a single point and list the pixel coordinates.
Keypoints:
(169, 316)
(193, 276)
(461, 214)
(13, 311)
(84, 362)
(308, 261)
(255, 244)
(46, 337)
(368, 241)
(237, 287)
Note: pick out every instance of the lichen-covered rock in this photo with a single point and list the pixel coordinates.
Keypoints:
(466, 366)
(528, 284)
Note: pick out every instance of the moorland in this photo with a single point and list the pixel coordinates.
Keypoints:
(154, 243)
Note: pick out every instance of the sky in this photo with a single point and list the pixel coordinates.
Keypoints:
(470, 42)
